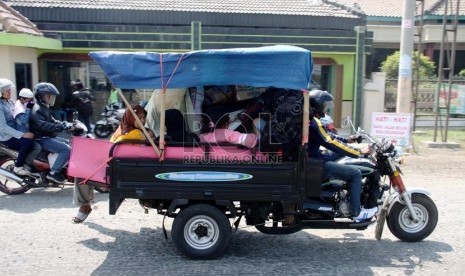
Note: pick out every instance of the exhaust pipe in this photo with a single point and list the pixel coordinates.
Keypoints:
(10, 175)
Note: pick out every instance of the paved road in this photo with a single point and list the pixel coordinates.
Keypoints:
(38, 238)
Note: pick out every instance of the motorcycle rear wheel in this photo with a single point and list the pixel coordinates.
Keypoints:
(103, 131)
(8, 186)
(404, 228)
(201, 231)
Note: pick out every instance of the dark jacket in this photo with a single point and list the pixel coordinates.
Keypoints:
(318, 136)
(42, 124)
(83, 101)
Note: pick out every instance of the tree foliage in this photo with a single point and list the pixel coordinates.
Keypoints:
(462, 73)
(391, 66)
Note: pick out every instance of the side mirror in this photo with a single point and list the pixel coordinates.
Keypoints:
(347, 122)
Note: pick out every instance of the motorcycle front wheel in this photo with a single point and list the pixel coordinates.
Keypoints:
(404, 228)
(102, 131)
(8, 186)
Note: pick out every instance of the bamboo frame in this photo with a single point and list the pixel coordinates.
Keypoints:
(306, 119)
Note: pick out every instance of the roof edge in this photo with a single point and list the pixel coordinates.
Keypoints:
(32, 41)
(22, 17)
(355, 10)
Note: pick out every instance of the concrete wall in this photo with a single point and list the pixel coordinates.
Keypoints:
(9, 55)
(373, 98)
(6, 70)
(347, 107)
(431, 34)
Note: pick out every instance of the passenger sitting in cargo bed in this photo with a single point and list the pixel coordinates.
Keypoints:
(129, 128)
(219, 133)
(176, 128)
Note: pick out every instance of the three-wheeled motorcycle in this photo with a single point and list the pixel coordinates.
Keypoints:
(209, 188)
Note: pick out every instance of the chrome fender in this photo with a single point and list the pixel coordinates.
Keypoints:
(385, 209)
(395, 197)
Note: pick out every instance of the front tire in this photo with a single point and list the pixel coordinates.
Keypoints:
(201, 232)
(102, 131)
(404, 228)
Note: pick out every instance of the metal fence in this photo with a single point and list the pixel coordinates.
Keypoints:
(425, 98)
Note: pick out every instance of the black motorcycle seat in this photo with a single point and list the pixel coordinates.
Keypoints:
(332, 183)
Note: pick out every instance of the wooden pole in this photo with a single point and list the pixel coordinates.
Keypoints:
(162, 122)
(306, 119)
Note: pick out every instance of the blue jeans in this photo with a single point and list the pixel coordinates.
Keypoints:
(349, 174)
(23, 146)
(56, 145)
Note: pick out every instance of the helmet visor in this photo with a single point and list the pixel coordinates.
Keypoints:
(49, 99)
(327, 106)
(51, 102)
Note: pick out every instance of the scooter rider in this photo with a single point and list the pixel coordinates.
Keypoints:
(23, 141)
(46, 128)
(320, 102)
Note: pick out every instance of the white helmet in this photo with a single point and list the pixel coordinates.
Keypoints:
(6, 84)
(26, 93)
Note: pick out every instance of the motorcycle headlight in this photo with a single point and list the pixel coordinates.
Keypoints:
(388, 147)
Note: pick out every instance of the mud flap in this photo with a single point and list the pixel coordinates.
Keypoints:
(313, 174)
(163, 227)
(380, 220)
(236, 223)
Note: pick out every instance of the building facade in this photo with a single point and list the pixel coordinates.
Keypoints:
(336, 35)
(20, 41)
(384, 20)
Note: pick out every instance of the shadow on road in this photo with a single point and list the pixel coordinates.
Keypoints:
(36, 199)
(253, 253)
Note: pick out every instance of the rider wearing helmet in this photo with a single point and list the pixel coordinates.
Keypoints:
(46, 128)
(320, 102)
(9, 133)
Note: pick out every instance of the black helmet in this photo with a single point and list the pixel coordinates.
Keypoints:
(44, 88)
(321, 101)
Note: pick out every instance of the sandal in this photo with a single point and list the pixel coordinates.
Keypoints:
(81, 216)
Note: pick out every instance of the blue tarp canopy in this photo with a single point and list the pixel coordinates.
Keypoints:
(278, 66)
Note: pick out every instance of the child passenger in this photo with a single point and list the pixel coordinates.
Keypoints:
(22, 112)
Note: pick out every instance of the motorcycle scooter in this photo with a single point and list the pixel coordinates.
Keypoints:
(111, 118)
(411, 215)
(13, 184)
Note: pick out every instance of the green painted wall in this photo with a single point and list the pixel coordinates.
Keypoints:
(347, 60)
(23, 40)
